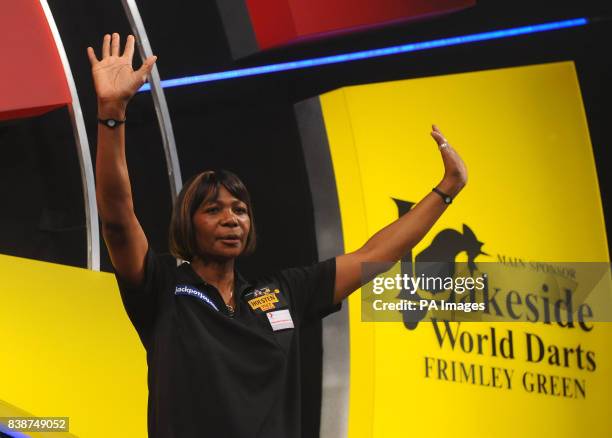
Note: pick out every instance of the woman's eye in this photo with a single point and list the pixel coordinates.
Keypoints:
(212, 210)
(240, 210)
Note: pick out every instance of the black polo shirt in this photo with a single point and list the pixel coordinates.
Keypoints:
(211, 374)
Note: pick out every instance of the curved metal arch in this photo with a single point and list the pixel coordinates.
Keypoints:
(159, 99)
(83, 152)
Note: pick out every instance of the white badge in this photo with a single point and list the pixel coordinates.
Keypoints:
(280, 319)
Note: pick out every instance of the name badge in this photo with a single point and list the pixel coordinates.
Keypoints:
(280, 319)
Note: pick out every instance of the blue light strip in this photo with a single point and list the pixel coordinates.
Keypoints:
(12, 433)
(366, 54)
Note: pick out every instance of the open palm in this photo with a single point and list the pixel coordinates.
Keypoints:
(455, 171)
(114, 78)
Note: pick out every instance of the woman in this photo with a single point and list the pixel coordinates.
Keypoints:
(223, 353)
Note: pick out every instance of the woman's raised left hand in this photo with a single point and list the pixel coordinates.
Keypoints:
(455, 172)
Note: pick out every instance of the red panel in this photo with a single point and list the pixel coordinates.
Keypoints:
(333, 15)
(272, 22)
(32, 79)
(279, 22)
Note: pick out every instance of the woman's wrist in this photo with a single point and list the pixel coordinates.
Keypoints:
(450, 187)
(111, 110)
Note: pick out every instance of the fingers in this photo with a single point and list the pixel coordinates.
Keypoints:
(454, 167)
(128, 52)
(112, 44)
(439, 138)
(106, 46)
(115, 44)
(436, 133)
(92, 56)
(146, 68)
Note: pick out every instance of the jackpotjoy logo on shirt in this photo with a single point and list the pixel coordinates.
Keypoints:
(183, 289)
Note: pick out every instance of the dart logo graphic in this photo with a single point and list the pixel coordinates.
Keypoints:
(439, 256)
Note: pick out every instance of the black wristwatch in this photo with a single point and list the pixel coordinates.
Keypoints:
(111, 123)
(447, 198)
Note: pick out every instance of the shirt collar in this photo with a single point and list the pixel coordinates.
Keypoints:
(186, 275)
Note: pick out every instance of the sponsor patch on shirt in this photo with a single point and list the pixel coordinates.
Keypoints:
(264, 302)
(280, 319)
(264, 291)
(265, 299)
(183, 289)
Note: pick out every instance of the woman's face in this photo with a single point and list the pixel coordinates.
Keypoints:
(221, 226)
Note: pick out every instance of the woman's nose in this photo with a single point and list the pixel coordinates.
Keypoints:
(229, 218)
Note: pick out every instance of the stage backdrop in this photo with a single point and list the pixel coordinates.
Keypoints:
(532, 196)
(68, 350)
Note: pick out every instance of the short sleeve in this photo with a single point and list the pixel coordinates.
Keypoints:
(311, 289)
(141, 303)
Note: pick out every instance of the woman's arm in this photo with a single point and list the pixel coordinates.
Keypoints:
(393, 241)
(115, 83)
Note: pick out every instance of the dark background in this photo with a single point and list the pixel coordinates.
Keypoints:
(247, 125)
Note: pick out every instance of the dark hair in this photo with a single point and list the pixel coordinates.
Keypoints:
(204, 187)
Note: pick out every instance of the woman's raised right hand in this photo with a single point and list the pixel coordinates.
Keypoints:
(114, 78)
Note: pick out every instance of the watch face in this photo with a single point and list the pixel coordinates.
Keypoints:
(111, 123)
(448, 199)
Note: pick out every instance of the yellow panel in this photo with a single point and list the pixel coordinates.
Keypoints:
(532, 194)
(69, 350)
(354, 228)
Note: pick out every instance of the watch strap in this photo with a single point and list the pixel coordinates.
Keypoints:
(446, 198)
(111, 123)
